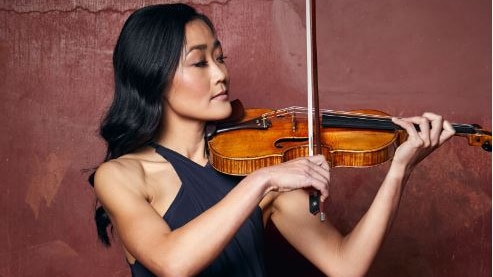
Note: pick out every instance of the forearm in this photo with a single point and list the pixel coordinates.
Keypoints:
(359, 247)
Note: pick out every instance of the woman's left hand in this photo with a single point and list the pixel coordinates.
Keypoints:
(433, 132)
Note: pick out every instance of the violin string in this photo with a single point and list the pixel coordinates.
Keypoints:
(304, 111)
(297, 110)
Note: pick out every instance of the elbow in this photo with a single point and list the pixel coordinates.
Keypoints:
(172, 262)
(173, 268)
(344, 267)
(349, 270)
(171, 271)
(355, 274)
(348, 273)
(351, 263)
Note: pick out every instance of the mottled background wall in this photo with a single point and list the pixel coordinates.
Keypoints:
(402, 57)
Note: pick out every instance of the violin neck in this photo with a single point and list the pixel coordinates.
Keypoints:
(475, 135)
(334, 120)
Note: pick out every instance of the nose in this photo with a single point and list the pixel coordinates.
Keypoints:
(220, 73)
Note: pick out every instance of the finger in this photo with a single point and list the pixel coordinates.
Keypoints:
(447, 133)
(317, 184)
(322, 187)
(321, 166)
(320, 161)
(313, 167)
(407, 125)
(319, 172)
(436, 122)
(424, 130)
(415, 138)
(321, 176)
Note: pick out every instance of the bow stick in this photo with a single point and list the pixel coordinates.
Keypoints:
(314, 145)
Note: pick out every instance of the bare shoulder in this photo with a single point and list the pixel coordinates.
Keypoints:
(119, 174)
(143, 176)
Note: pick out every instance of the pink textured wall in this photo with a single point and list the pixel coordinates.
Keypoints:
(402, 57)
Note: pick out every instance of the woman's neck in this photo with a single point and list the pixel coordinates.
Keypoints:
(185, 137)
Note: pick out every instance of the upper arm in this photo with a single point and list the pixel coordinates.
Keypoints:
(140, 228)
(318, 241)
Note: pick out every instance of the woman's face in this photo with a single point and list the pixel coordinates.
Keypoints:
(199, 90)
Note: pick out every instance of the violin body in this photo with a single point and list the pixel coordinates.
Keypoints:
(283, 136)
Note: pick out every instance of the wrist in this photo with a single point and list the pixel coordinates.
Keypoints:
(262, 179)
(399, 171)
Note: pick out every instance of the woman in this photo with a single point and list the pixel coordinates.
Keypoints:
(174, 214)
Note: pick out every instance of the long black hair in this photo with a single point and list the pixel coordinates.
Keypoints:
(145, 59)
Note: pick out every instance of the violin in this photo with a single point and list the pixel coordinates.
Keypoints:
(254, 138)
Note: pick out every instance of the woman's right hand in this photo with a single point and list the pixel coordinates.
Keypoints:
(307, 172)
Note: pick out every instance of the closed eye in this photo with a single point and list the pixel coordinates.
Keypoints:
(221, 59)
(201, 64)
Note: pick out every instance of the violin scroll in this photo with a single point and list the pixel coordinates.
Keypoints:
(475, 135)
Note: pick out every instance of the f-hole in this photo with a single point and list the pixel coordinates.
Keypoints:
(279, 143)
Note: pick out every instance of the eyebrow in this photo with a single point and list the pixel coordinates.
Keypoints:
(215, 45)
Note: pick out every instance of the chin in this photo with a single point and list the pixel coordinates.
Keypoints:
(221, 112)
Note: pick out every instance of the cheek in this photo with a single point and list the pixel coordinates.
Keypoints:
(194, 84)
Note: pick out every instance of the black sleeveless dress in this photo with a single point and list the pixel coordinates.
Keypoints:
(201, 188)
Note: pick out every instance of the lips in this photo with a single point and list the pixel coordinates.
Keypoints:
(220, 95)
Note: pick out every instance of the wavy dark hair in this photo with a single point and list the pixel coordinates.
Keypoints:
(145, 59)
